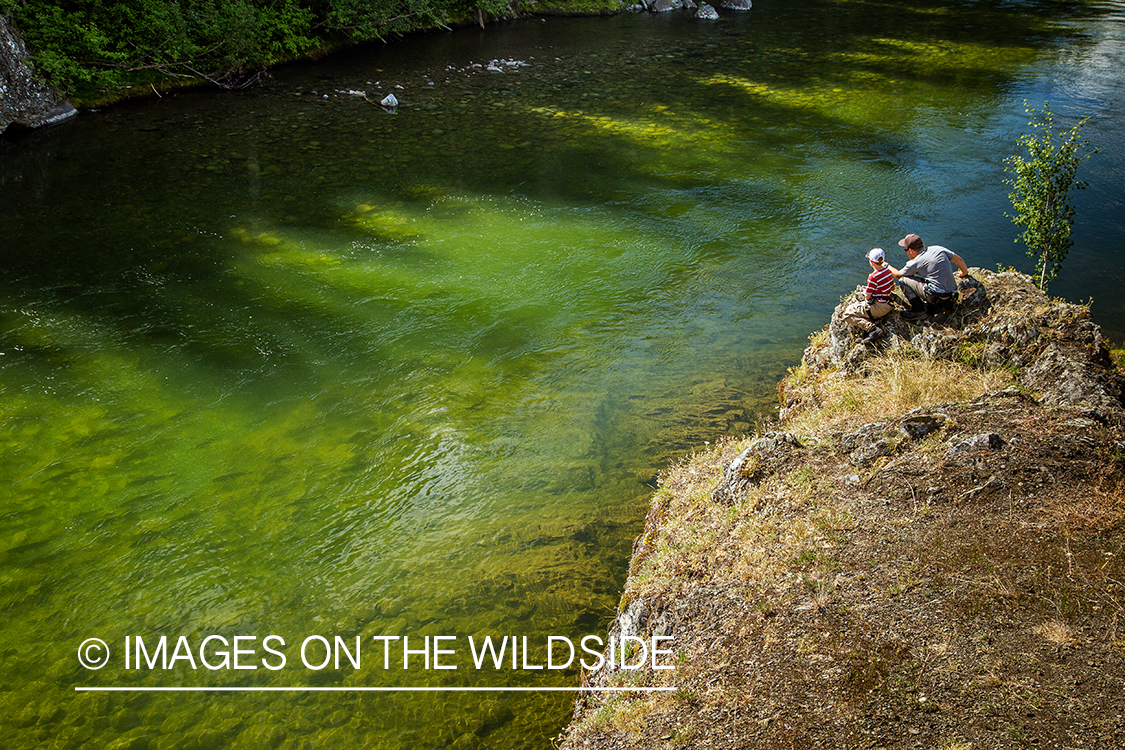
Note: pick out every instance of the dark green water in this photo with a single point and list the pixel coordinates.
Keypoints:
(283, 363)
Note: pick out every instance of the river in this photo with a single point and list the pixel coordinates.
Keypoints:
(283, 363)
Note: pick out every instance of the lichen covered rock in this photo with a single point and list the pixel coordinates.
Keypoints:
(1001, 320)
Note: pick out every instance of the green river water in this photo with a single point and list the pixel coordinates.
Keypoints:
(283, 363)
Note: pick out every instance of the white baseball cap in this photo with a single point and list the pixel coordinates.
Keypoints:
(876, 255)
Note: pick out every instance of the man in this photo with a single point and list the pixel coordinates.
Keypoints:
(927, 278)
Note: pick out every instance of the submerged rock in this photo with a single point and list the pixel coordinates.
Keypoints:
(707, 13)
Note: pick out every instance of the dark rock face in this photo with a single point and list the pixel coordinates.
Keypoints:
(24, 99)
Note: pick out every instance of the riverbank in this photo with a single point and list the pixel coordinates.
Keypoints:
(54, 61)
(926, 551)
(102, 56)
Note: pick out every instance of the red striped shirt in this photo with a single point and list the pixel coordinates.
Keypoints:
(880, 284)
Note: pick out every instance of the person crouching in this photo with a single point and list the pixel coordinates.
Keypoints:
(876, 303)
(927, 279)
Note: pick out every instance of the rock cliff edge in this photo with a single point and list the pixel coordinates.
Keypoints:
(926, 550)
(24, 99)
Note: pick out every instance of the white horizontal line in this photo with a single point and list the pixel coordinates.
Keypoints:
(308, 689)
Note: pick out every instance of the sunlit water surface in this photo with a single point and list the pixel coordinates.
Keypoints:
(281, 362)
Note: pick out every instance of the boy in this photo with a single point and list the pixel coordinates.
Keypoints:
(876, 301)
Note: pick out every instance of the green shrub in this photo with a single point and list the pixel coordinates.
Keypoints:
(1041, 184)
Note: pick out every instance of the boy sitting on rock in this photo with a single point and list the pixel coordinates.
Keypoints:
(876, 301)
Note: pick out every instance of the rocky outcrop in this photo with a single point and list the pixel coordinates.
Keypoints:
(931, 579)
(1001, 320)
(25, 100)
(751, 464)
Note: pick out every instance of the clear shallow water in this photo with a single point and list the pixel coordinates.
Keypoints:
(280, 362)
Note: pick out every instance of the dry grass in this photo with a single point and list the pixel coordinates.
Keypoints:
(956, 745)
(775, 537)
(1096, 510)
(1056, 632)
(892, 384)
(786, 522)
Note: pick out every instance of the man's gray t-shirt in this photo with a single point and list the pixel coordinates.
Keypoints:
(935, 268)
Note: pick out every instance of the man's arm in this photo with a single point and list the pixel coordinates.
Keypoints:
(960, 264)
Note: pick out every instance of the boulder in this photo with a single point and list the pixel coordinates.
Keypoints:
(919, 425)
(707, 13)
(754, 463)
(25, 100)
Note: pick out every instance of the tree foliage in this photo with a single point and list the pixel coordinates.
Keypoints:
(1042, 182)
(88, 48)
(105, 44)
